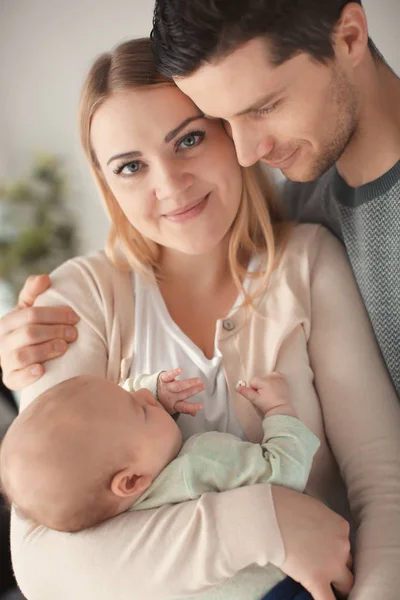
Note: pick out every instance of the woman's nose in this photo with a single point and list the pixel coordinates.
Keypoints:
(171, 182)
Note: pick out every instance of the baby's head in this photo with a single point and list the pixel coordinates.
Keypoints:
(84, 451)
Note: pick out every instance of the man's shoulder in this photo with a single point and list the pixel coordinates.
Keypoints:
(300, 189)
(299, 197)
(312, 202)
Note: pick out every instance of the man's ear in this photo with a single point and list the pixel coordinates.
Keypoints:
(127, 483)
(352, 32)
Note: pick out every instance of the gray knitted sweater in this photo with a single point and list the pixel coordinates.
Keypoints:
(367, 220)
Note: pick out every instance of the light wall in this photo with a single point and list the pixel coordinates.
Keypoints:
(46, 47)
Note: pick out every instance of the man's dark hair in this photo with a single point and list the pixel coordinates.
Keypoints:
(187, 33)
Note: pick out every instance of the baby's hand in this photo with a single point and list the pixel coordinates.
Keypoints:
(172, 393)
(270, 394)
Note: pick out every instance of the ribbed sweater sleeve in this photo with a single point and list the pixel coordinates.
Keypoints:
(361, 417)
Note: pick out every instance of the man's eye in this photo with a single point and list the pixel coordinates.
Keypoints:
(129, 168)
(261, 112)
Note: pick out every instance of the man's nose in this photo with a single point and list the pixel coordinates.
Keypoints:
(250, 143)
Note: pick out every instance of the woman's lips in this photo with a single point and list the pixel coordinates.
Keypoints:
(187, 212)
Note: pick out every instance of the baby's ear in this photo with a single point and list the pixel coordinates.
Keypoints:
(126, 483)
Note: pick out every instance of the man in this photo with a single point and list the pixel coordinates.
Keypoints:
(302, 88)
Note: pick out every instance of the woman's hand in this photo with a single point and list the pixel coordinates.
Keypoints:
(173, 394)
(316, 544)
(29, 336)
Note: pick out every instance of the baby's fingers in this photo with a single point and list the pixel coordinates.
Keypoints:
(188, 408)
(167, 376)
(274, 378)
(248, 392)
(181, 386)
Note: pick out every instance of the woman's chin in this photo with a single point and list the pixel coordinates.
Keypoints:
(199, 241)
(196, 247)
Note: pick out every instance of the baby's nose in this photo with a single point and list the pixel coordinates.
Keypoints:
(149, 398)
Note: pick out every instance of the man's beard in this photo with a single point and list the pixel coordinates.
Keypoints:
(345, 105)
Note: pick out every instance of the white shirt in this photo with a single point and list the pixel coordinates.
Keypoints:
(160, 345)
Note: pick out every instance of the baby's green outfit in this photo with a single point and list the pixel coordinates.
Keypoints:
(216, 462)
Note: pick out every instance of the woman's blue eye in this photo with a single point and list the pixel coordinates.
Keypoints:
(190, 140)
(128, 168)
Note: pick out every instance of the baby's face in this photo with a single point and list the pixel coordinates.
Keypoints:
(142, 425)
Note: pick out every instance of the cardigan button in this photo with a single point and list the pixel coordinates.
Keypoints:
(228, 324)
(240, 383)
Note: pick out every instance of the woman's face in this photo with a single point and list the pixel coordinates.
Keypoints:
(174, 173)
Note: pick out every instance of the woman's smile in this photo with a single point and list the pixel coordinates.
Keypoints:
(187, 212)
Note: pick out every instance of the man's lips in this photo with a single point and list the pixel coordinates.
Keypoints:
(279, 163)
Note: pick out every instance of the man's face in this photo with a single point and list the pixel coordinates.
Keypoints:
(298, 117)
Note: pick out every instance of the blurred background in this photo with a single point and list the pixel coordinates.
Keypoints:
(49, 207)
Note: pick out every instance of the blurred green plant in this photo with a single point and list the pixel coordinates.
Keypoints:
(37, 232)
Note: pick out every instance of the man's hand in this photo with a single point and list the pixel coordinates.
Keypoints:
(316, 544)
(173, 393)
(29, 336)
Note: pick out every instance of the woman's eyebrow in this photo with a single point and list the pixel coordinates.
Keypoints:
(132, 154)
(170, 136)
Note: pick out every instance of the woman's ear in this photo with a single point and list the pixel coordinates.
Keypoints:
(127, 483)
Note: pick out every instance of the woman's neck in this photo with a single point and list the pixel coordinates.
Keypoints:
(204, 272)
(197, 291)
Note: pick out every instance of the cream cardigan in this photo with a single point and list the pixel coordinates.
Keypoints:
(311, 325)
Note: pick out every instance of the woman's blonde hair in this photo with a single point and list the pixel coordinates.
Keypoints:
(258, 226)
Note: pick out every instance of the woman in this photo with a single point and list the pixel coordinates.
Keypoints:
(199, 231)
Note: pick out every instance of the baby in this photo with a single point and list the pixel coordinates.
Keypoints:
(87, 449)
